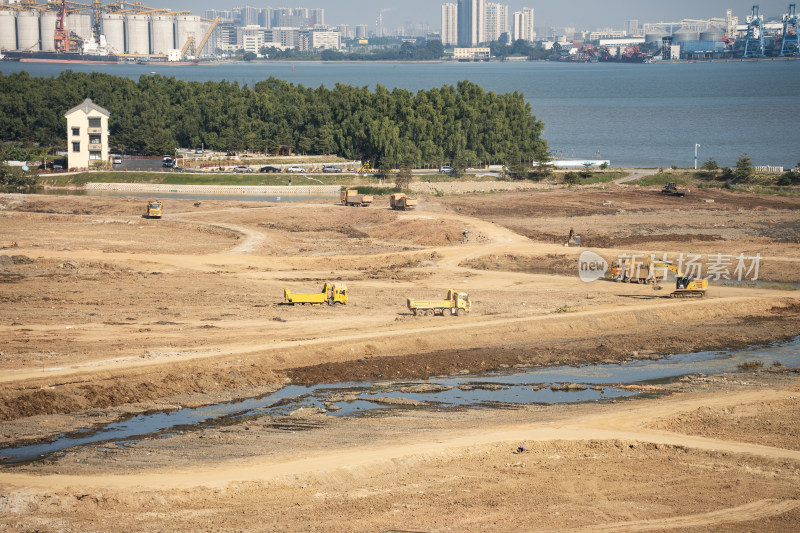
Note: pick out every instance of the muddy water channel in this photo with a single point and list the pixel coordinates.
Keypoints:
(522, 386)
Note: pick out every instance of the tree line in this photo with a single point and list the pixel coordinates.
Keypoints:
(157, 114)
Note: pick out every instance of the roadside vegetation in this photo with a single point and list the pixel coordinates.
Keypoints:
(742, 177)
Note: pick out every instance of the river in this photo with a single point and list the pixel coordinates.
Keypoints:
(648, 115)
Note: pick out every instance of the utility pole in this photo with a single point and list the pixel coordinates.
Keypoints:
(696, 146)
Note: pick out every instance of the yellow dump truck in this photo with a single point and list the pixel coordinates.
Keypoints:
(352, 197)
(457, 303)
(399, 201)
(154, 208)
(331, 294)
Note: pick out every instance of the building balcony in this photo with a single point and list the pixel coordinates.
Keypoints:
(95, 130)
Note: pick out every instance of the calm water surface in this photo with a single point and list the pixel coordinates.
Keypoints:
(633, 115)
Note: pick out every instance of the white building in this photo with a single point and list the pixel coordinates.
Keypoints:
(523, 25)
(471, 54)
(325, 40)
(496, 21)
(449, 24)
(87, 135)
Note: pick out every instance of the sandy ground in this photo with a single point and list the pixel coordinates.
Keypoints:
(106, 314)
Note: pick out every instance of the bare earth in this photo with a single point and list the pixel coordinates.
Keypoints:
(106, 314)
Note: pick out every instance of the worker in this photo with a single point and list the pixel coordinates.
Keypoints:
(571, 234)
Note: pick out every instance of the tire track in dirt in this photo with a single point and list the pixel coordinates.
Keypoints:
(757, 510)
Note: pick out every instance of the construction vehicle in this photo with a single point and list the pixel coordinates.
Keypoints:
(673, 189)
(635, 272)
(399, 201)
(8, 244)
(352, 197)
(685, 286)
(331, 294)
(366, 168)
(154, 209)
(457, 303)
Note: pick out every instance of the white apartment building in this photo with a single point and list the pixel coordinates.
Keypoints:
(523, 25)
(496, 21)
(325, 40)
(449, 24)
(87, 135)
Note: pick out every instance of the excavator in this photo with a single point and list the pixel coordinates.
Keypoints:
(685, 286)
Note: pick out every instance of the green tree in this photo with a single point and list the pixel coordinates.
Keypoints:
(744, 168)
(403, 179)
(709, 169)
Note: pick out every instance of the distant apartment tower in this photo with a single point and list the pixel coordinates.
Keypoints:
(523, 25)
(449, 24)
(471, 22)
(317, 17)
(631, 27)
(248, 16)
(344, 31)
(361, 31)
(496, 21)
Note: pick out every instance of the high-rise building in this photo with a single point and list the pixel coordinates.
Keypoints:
(631, 27)
(344, 31)
(449, 24)
(361, 31)
(248, 16)
(317, 17)
(471, 22)
(523, 25)
(496, 21)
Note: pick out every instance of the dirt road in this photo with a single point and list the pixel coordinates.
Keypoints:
(108, 314)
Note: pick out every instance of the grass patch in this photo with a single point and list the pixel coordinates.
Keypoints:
(751, 365)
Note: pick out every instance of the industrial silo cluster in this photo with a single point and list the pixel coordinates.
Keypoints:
(27, 28)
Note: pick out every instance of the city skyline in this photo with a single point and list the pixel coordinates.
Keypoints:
(582, 14)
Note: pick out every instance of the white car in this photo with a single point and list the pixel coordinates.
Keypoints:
(295, 170)
(116, 160)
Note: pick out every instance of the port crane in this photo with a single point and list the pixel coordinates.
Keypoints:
(754, 44)
(790, 45)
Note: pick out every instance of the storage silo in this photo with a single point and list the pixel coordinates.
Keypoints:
(80, 24)
(113, 28)
(28, 31)
(712, 33)
(47, 24)
(137, 32)
(683, 35)
(185, 26)
(8, 30)
(203, 29)
(162, 35)
(654, 37)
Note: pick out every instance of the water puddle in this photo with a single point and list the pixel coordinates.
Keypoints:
(506, 390)
(165, 195)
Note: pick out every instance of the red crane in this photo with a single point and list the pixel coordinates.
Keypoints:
(61, 35)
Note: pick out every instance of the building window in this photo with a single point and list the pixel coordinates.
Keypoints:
(76, 131)
(94, 139)
(94, 123)
(76, 147)
(95, 156)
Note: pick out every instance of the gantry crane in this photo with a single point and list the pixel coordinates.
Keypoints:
(61, 34)
(754, 45)
(790, 45)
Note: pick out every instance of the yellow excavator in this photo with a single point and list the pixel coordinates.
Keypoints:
(685, 286)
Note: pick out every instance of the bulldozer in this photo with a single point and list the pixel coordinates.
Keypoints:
(673, 189)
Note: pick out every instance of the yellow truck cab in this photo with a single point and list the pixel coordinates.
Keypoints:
(331, 294)
(154, 208)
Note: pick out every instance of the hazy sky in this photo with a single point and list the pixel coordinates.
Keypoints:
(583, 14)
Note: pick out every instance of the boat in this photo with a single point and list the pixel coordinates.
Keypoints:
(60, 57)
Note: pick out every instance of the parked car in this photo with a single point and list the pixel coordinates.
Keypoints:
(446, 169)
(269, 168)
(242, 169)
(295, 170)
(327, 169)
(168, 163)
(57, 166)
(198, 150)
(116, 160)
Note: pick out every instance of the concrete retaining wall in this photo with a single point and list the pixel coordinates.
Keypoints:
(268, 190)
